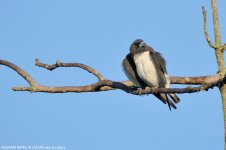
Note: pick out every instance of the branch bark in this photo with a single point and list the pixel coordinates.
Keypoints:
(205, 82)
(59, 64)
(219, 54)
(205, 28)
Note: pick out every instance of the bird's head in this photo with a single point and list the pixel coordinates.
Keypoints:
(136, 46)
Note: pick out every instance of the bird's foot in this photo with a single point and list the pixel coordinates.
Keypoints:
(152, 89)
(140, 92)
(147, 88)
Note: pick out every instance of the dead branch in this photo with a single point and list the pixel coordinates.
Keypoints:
(20, 71)
(195, 80)
(205, 29)
(205, 82)
(59, 64)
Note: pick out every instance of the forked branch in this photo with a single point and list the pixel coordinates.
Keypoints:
(205, 82)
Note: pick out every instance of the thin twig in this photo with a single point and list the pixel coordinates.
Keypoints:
(223, 47)
(79, 65)
(205, 29)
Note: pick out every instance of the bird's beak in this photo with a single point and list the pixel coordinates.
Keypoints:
(141, 44)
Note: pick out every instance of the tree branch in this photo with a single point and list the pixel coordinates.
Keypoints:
(96, 87)
(205, 28)
(204, 87)
(195, 80)
(20, 71)
(206, 82)
(79, 65)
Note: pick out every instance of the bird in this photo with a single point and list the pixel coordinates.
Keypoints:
(146, 67)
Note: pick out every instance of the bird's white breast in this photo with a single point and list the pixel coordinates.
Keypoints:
(146, 69)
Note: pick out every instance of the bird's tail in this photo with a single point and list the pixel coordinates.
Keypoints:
(175, 98)
(163, 97)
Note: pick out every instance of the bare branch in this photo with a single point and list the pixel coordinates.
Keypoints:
(105, 85)
(117, 85)
(205, 28)
(189, 89)
(96, 87)
(195, 80)
(60, 64)
(20, 71)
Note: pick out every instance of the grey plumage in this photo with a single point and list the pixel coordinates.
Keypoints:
(151, 72)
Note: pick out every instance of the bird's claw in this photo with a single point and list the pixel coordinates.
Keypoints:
(140, 92)
(146, 89)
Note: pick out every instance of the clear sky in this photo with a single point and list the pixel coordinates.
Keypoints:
(98, 33)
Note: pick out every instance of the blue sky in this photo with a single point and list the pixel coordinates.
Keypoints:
(98, 33)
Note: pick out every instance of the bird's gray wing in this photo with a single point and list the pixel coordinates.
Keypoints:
(160, 64)
(129, 68)
(160, 61)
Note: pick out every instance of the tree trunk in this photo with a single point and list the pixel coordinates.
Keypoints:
(219, 53)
